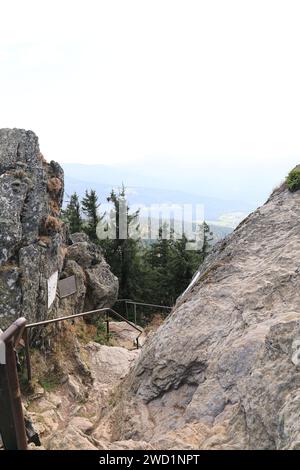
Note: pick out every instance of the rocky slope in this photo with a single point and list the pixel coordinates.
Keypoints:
(222, 371)
(75, 413)
(35, 250)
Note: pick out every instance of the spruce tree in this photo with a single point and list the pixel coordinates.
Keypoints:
(170, 266)
(159, 274)
(122, 253)
(90, 208)
(207, 239)
(182, 265)
(72, 214)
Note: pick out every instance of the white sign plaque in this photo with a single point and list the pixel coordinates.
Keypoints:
(2, 352)
(52, 287)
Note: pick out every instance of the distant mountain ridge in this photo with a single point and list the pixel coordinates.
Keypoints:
(142, 190)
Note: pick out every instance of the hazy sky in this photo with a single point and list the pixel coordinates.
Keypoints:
(110, 81)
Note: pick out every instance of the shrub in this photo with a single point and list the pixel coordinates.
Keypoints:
(54, 208)
(54, 185)
(101, 335)
(293, 180)
(52, 224)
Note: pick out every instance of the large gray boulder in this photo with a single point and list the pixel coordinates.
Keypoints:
(101, 286)
(34, 252)
(223, 371)
(31, 235)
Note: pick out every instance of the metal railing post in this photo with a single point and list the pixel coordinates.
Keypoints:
(27, 355)
(134, 313)
(107, 328)
(12, 424)
(15, 396)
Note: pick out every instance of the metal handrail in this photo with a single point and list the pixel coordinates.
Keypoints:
(129, 301)
(148, 305)
(71, 317)
(134, 303)
(14, 331)
(76, 315)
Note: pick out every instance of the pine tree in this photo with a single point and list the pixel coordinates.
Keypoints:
(72, 214)
(169, 266)
(182, 265)
(122, 253)
(90, 208)
(158, 274)
(207, 239)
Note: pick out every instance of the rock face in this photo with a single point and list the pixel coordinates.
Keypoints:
(69, 416)
(84, 258)
(33, 243)
(223, 371)
(31, 237)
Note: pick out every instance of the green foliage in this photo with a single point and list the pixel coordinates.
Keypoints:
(122, 253)
(156, 272)
(72, 214)
(169, 268)
(50, 382)
(90, 208)
(208, 238)
(293, 180)
(101, 335)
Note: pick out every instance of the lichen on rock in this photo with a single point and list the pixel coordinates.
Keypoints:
(34, 241)
(25, 263)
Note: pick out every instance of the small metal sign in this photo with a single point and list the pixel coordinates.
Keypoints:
(52, 287)
(67, 287)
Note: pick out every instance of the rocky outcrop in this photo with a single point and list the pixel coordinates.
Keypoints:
(124, 335)
(84, 259)
(223, 371)
(31, 235)
(34, 246)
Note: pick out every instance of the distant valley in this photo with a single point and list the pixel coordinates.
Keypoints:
(223, 214)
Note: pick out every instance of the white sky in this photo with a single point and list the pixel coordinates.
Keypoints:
(110, 81)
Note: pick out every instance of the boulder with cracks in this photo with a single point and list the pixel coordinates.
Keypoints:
(223, 371)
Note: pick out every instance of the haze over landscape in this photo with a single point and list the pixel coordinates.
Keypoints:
(197, 97)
